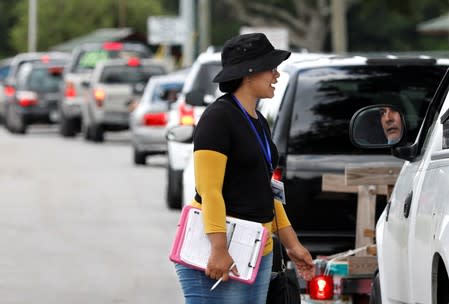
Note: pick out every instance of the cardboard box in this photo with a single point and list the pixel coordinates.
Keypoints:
(358, 265)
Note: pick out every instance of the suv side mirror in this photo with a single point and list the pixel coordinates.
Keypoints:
(195, 98)
(180, 133)
(377, 126)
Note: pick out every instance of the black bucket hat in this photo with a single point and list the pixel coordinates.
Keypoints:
(246, 54)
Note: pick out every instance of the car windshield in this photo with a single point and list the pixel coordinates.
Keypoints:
(203, 80)
(42, 80)
(87, 60)
(166, 92)
(331, 95)
(128, 75)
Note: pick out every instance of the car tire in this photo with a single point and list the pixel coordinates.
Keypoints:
(97, 133)
(67, 127)
(140, 158)
(375, 297)
(174, 189)
(87, 132)
(16, 123)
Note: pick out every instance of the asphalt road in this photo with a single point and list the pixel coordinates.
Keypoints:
(79, 223)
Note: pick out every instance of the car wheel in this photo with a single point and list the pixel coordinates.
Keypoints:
(16, 122)
(87, 132)
(174, 189)
(67, 127)
(7, 121)
(140, 158)
(97, 133)
(22, 127)
(375, 290)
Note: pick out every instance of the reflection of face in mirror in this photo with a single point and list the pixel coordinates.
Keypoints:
(391, 124)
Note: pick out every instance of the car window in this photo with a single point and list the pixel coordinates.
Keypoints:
(41, 80)
(87, 59)
(204, 73)
(166, 92)
(128, 75)
(327, 97)
(4, 72)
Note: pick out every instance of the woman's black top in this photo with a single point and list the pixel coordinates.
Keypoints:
(224, 128)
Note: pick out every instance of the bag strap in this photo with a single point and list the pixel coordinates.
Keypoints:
(283, 268)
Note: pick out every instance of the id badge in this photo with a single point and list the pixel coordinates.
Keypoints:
(278, 190)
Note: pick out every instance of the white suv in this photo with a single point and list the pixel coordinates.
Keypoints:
(197, 92)
(412, 233)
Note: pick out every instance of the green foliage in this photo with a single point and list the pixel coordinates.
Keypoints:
(61, 20)
(373, 25)
(384, 25)
(7, 20)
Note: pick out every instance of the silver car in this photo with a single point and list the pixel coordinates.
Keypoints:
(12, 67)
(148, 121)
(82, 62)
(113, 86)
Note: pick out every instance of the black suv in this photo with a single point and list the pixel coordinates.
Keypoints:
(311, 125)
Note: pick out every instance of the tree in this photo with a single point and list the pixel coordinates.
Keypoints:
(7, 19)
(396, 29)
(61, 20)
(372, 25)
(307, 20)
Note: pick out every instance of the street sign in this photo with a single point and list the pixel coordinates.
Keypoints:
(166, 30)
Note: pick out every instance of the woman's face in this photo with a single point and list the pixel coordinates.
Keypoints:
(262, 83)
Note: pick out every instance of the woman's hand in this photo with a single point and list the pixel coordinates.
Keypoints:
(219, 259)
(302, 259)
(297, 253)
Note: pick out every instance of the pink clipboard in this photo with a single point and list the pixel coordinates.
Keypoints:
(248, 261)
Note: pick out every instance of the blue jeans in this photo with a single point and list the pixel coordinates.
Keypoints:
(196, 286)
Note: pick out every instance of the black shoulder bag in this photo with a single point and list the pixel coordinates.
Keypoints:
(283, 289)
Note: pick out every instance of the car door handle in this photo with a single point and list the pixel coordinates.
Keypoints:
(388, 210)
(408, 204)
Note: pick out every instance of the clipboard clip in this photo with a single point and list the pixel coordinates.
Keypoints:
(254, 254)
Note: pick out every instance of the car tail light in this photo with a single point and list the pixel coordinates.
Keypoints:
(26, 98)
(155, 119)
(186, 114)
(70, 90)
(56, 70)
(9, 90)
(321, 287)
(45, 59)
(112, 46)
(277, 174)
(99, 96)
(133, 62)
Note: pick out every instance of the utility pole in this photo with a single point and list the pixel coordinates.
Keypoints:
(32, 25)
(338, 26)
(204, 24)
(188, 16)
(121, 13)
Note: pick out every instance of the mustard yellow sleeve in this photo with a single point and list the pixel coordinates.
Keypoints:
(282, 219)
(209, 169)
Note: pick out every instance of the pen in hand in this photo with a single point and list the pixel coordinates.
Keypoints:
(221, 279)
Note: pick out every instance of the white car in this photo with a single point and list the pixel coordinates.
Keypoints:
(148, 121)
(412, 233)
(197, 92)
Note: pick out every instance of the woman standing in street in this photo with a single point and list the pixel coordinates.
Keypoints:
(234, 159)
